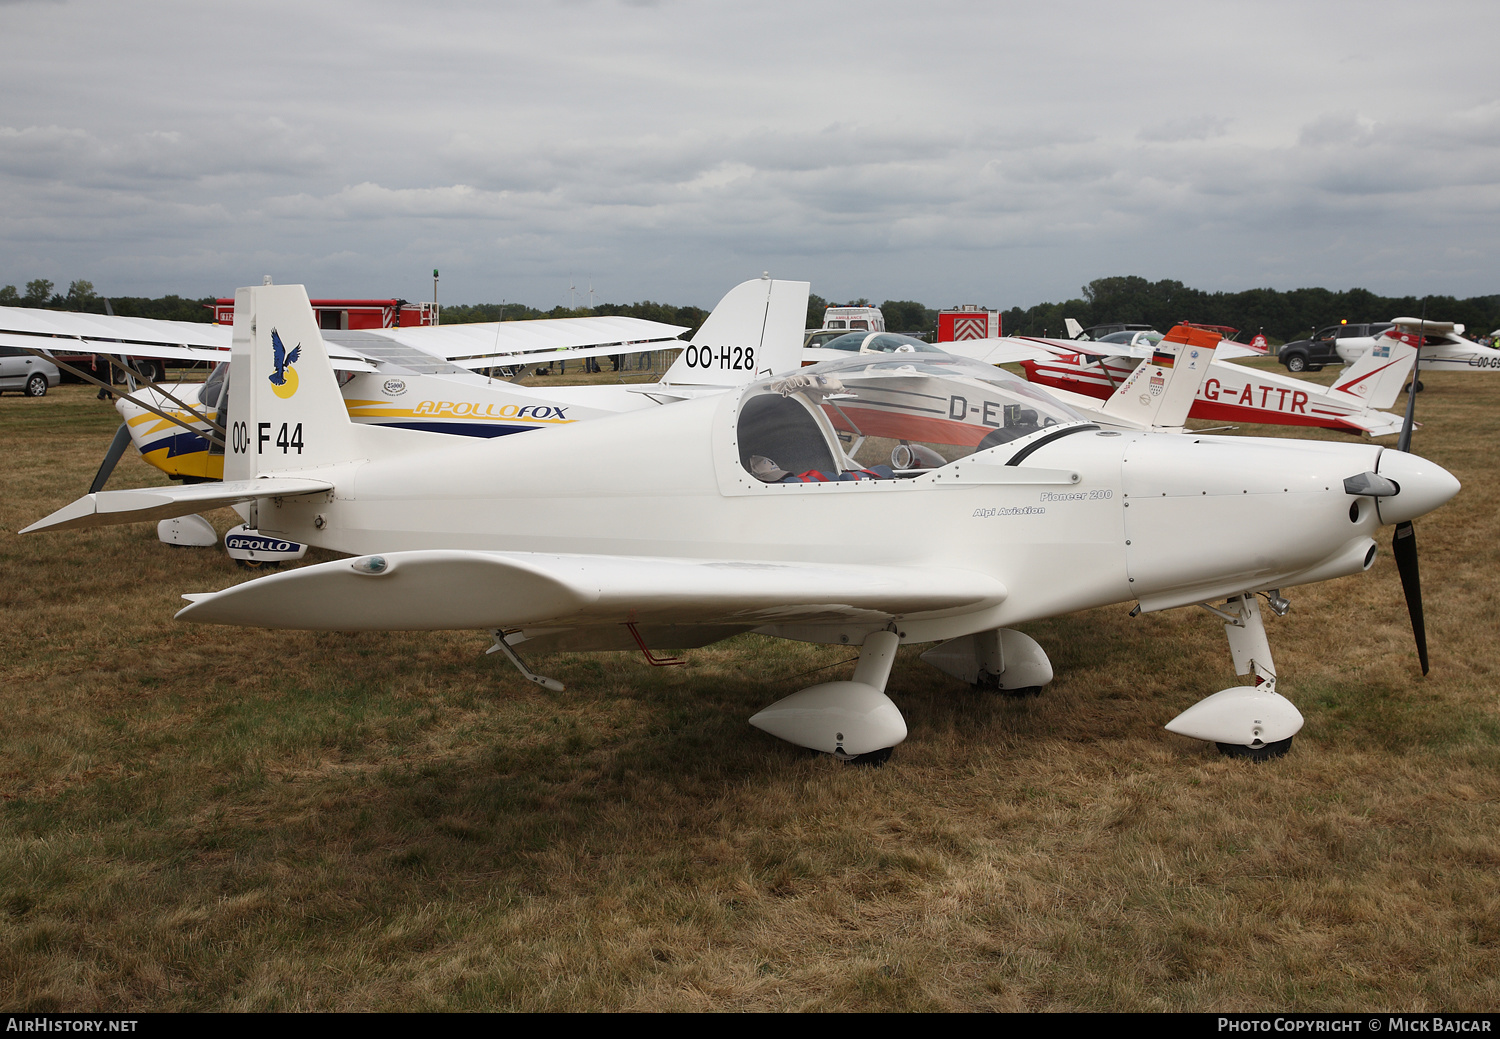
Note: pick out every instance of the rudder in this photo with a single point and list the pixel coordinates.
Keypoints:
(756, 330)
(285, 409)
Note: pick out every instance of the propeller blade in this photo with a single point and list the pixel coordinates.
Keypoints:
(1404, 548)
(1404, 444)
(117, 448)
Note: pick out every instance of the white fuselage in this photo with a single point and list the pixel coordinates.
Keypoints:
(1447, 352)
(1164, 518)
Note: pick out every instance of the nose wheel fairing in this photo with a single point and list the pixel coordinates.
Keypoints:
(1244, 720)
(850, 719)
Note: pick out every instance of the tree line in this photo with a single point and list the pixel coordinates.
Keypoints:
(1281, 316)
(667, 313)
(82, 298)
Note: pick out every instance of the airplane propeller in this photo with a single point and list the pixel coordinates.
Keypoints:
(1404, 541)
(111, 458)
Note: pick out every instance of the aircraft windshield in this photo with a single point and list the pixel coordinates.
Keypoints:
(891, 416)
(214, 386)
(880, 343)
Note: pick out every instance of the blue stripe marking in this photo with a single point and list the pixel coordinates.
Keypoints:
(464, 429)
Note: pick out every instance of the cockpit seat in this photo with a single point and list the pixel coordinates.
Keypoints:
(875, 472)
(782, 429)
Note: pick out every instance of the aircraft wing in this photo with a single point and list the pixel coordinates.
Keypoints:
(116, 332)
(1087, 347)
(489, 343)
(1005, 350)
(72, 345)
(478, 345)
(65, 332)
(464, 589)
(106, 508)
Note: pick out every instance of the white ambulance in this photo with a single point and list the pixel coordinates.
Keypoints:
(854, 319)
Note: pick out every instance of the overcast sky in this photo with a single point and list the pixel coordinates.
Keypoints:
(993, 153)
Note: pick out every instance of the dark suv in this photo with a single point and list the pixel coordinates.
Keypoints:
(1309, 355)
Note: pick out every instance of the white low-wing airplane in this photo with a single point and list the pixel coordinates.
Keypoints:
(1228, 392)
(1155, 391)
(745, 511)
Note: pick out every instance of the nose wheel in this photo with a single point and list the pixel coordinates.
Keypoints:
(1244, 721)
(1265, 752)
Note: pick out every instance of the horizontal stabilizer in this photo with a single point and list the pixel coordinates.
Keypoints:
(459, 589)
(1373, 423)
(106, 508)
(1236, 351)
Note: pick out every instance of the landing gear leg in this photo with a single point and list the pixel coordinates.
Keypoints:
(1000, 661)
(854, 721)
(501, 646)
(1251, 721)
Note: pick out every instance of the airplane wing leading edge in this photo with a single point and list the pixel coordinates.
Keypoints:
(473, 589)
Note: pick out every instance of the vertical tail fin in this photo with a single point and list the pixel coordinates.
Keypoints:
(1162, 388)
(1377, 377)
(755, 331)
(285, 409)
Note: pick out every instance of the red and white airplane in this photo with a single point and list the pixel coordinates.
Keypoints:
(1234, 393)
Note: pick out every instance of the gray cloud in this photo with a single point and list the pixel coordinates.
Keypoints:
(946, 153)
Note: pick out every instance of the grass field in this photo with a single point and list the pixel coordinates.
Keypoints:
(202, 818)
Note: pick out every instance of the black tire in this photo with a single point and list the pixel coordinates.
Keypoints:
(256, 564)
(1265, 752)
(151, 371)
(1296, 363)
(874, 759)
(36, 386)
(1407, 387)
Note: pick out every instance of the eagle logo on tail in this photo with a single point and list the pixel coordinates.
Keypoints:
(284, 378)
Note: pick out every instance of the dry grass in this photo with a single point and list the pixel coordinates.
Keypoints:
(214, 819)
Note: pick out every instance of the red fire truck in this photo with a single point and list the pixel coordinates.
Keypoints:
(335, 314)
(968, 322)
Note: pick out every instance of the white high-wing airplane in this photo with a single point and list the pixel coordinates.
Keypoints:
(411, 382)
(769, 508)
(1443, 346)
(472, 346)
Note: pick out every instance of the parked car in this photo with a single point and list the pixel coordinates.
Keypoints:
(817, 337)
(1309, 355)
(25, 372)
